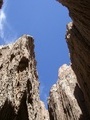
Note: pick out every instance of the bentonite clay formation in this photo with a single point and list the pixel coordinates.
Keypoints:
(19, 96)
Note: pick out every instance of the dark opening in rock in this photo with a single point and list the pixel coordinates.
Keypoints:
(0, 54)
(1, 66)
(23, 64)
(12, 56)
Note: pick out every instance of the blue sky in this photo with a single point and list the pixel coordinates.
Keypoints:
(46, 21)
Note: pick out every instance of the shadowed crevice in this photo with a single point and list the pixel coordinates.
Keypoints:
(23, 112)
(81, 102)
(23, 64)
(7, 111)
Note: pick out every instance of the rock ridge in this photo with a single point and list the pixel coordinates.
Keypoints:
(78, 41)
(19, 85)
(66, 101)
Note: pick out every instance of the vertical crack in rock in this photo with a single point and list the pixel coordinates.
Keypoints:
(23, 112)
(19, 85)
(7, 111)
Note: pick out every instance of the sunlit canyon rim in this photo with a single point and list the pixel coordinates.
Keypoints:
(69, 98)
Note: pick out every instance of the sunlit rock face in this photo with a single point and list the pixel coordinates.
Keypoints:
(66, 101)
(78, 40)
(80, 57)
(19, 85)
(70, 96)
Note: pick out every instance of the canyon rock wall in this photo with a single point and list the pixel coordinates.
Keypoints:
(66, 101)
(19, 85)
(70, 97)
(78, 40)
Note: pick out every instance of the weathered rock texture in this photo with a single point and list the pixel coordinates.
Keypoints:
(19, 96)
(70, 97)
(78, 39)
(66, 100)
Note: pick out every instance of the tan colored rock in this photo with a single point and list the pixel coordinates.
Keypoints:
(69, 97)
(19, 85)
(78, 40)
(66, 100)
